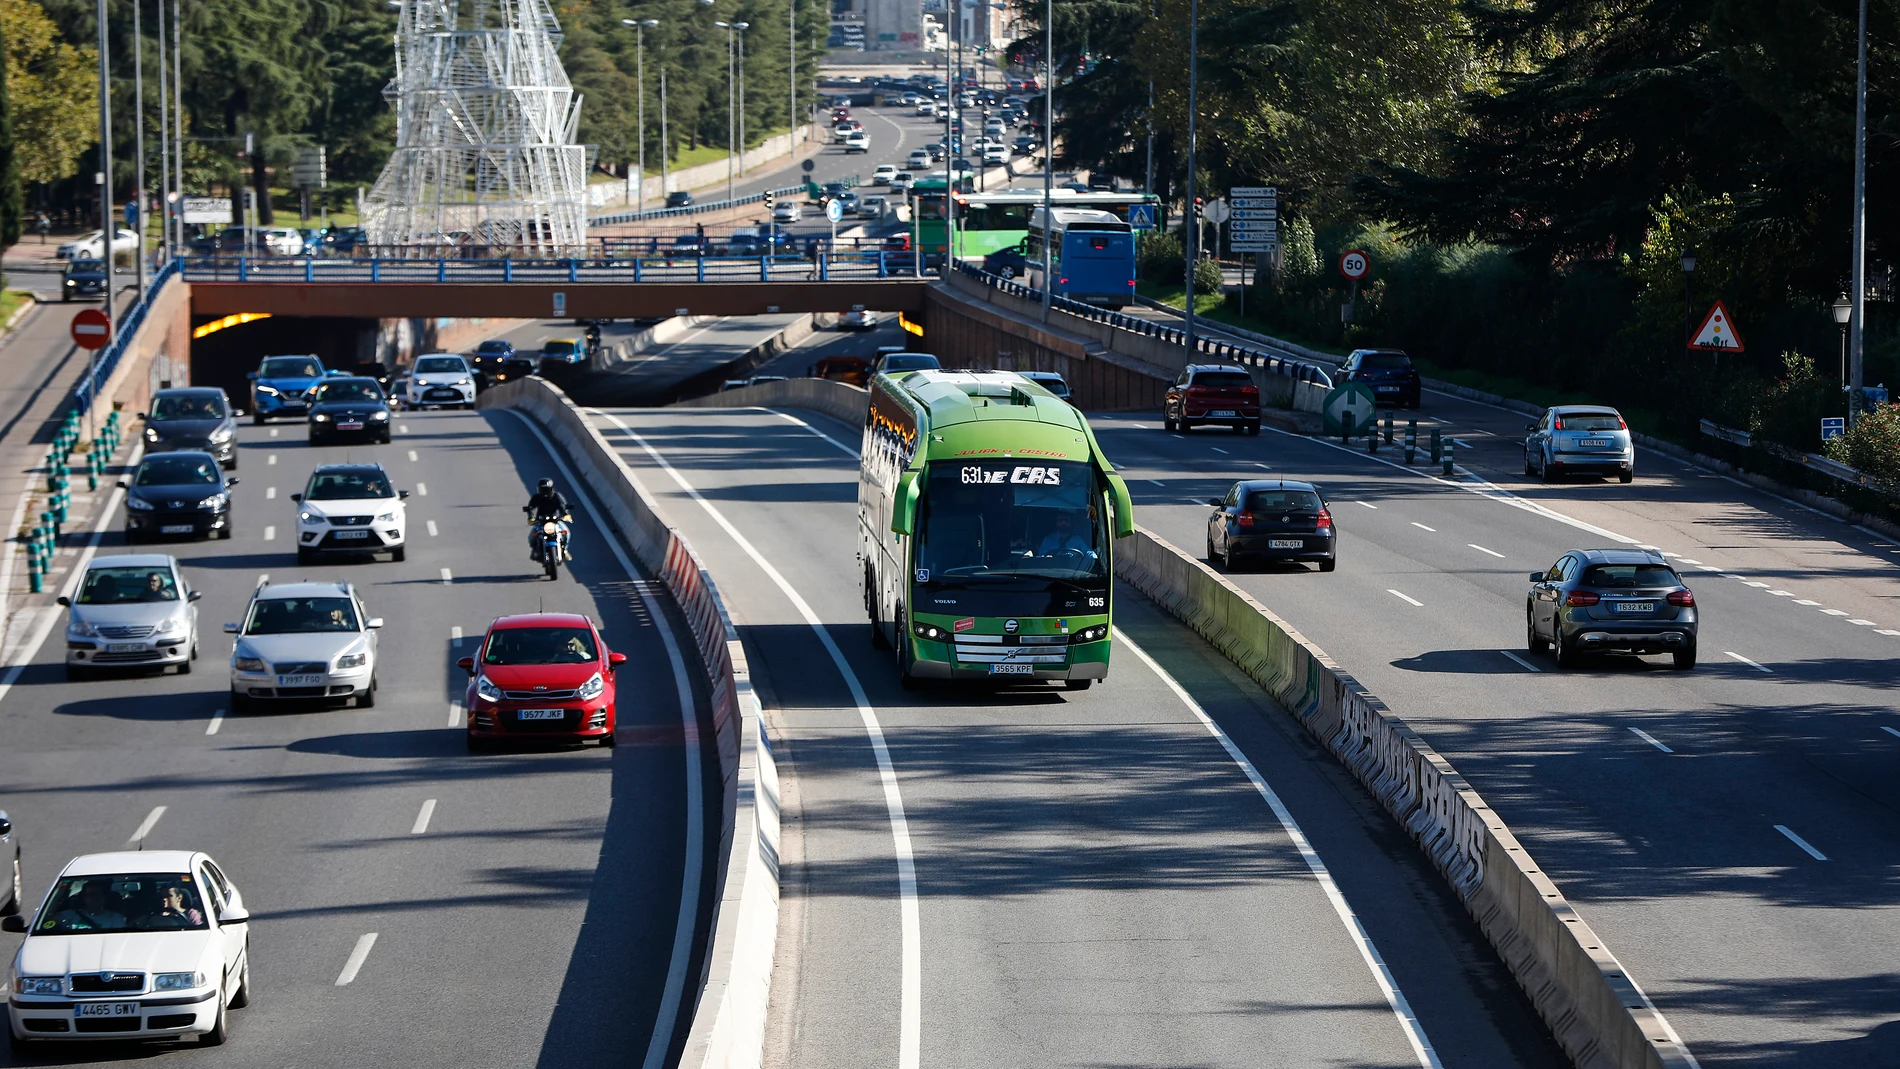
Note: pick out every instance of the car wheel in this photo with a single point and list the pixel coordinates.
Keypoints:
(1007, 272)
(1544, 472)
(1684, 659)
(242, 997)
(1212, 560)
(19, 1046)
(607, 741)
(225, 532)
(258, 418)
(219, 1031)
(1254, 428)
(184, 666)
(78, 673)
(1625, 476)
(367, 699)
(1528, 470)
(305, 556)
(13, 896)
(1567, 655)
(1168, 424)
(397, 556)
(232, 466)
(1533, 641)
(476, 745)
(1329, 564)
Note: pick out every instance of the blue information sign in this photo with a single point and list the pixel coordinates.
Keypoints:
(1832, 427)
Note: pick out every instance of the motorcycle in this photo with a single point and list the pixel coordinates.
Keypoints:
(547, 543)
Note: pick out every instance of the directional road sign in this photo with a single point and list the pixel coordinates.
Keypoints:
(1268, 225)
(1253, 191)
(1254, 202)
(1256, 213)
(1354, 264)
(1349, 398)
(834, 210)
(91, 329)
(1141, 216)
(1833, 427)
(1216, 211)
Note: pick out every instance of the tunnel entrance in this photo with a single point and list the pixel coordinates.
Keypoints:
(225, 355)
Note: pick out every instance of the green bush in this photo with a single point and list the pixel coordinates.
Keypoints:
(1159, 259)
(1873, 446)
(1207, 276)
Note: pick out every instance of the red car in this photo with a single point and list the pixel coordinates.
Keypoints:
(541, 676)
(1212, 393)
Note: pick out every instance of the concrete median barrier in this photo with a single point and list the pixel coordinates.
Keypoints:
(1597, 1012)
(728, 1023)
(839, 400)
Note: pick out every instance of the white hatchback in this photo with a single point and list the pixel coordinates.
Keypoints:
(440, 379)
(883, 173)
(132, 945)
(350, 508)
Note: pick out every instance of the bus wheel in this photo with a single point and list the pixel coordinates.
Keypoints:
(1076, 684)
(870, 609)
(904, 678)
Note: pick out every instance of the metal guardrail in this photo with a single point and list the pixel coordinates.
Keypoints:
(123, 331)
(853, 265)
(690, 209)
(1297, 370)
(1833, 469)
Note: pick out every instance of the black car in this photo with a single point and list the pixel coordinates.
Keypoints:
(345, 240)
(193, 418)
(496, 360)
(349, 407)
(83, 278)
(1025, 145)
(1271, 520)
(374, 369)
(1009, 263)
(175, 494)
(679, 198)
(1389, 373)
(1611, 601)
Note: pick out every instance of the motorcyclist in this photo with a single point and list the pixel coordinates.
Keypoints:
(546, 504)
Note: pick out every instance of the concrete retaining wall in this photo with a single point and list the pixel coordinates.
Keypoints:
(604, 194)
(158, 355)
(839, 400)
(728, 1025)
(1597, 1013)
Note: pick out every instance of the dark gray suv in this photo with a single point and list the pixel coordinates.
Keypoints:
(1611, 601)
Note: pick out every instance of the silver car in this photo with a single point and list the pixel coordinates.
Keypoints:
(131, 611)
(303, 641)
(1579, 440)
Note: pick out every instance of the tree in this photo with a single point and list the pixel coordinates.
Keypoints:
(52, 93)
(9, 168)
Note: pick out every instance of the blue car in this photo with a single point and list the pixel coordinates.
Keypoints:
(281, 385)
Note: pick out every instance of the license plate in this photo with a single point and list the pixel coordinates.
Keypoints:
(175, 528)
(106, 1009)
(1388, 389)
(1222, 412)
(541, 714)
(1012, 669)
(349, 426)
(1595, 443)
(125, 647)
(1285, 543)
(1635, 606)
(349, 534)
(300, 681)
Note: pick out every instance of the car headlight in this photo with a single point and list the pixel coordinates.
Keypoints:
(168, 626)
(1090, 634)
(215, 501)
(70, 282)
(320, 417)
(485, 690)
(352, 660)
(151, 434)
(177, 981)
(138, 504)
(82, 629)
(382, 414)
(222, 435)
(267, 391)
(38, 985)
(309, 517)
(387, 517)
(592, 688)
(463, 382)
(248, 663)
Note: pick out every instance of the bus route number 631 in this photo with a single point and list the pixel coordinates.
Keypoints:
(1034, 474)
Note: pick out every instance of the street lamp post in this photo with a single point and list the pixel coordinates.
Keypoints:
(1857, 325)
(104, 176)
(164, 143)
(138, 141)
(1048, 152)
(1843, 313)
(178, 128)
(741, 27)
(732, 98)
(640, 26)
(1194, 218)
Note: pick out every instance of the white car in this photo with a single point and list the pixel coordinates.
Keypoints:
(882, 174)
(439, 379)
(918, 160)
(927, 107)
(858, 319)
(302, 642)
(901, 181)
(786, 211)
(131, 611)
(350, 508)
(133, 945)
(88, 247)
(857, 141)
(996, 154)
(282, 240)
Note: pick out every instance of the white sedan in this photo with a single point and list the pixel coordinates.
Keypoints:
(439, 379)
(88, 247)
(786, 211)
(133, 945)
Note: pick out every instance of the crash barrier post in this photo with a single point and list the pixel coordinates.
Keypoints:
(1451, 446)
(33, 567)
(727, 1030)
(1600, 1017)
(1411, 439)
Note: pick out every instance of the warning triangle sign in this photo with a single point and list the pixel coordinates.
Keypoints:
(1718, 332)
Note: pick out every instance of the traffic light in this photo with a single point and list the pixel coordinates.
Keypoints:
(1200, 207)
(768, 200)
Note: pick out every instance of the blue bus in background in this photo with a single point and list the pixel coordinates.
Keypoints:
(1092, 254)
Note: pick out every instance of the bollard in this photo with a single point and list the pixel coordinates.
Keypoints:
(1438, 445)
(33, 567)
(1411, 439)
(46, 534)
(92, 468)
(1390, 419)
(1372, 437)
(1450, 447)
(1345, 428)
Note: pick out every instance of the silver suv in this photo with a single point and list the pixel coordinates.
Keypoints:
(304, 641)
(1611, 601)
(1579, 440)
(132, 611)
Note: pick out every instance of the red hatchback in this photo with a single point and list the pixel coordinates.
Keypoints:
(1212, 393)
(541, 676)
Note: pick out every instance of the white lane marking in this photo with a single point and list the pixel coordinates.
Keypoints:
(1890, 731)
(789, 418)
(687, 921)
(217, 721)
(270, 533)
(146, 826)
(1269, 467)
(1404, 598)
(1481, 549)
(1800, 842)
(1861, 623)
(455, 714)
(1885, 631)
(1651, 739)
(270, 493)
(1805, 601)
(422, 819)
(271, 459)
(422, 489)
(1782, 593)
(1753, 583)
(455, 636)
(447, 577)
(1381, 975)
(431, 525)
(910, 986)
(1520, 660)
(412, 455)
(1367, 504)
(357, 956)
(1158, 482)
(1835, 612)
(402, 428)
(273, 432)
(1752, 664)
(1686, 560)
(1219, 450)
(1732, 575)
(1422, 527)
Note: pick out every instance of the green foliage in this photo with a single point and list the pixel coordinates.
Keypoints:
(1159, 258)
(1207, 276)
(52, 93)
(1873, 446)
(1789, 409)
(9, 169)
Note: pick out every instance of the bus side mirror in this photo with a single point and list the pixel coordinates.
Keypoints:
(904, 504)
(1124, 505)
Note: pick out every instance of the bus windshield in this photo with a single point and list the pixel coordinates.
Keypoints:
(1004, 519)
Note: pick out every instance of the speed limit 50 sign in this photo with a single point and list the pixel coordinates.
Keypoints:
(1354, 264)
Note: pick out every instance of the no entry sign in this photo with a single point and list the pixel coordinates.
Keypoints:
(91, 329)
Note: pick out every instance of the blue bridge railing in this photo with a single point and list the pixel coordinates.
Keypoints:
(122, 333)
(841, 265)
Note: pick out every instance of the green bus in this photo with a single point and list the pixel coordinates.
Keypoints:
(986, 520)
(988, 222)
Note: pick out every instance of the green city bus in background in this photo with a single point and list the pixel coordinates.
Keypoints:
(987, 516)
(987, 222)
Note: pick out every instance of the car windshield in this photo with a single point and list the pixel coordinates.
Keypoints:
(350, 391)
(540, 645)
(84, 266)
(435, 365)
(1630, 575)
(121, 586)
(353, 485)
(911, 362)
(290, 367)
(495, 347)
(1386, 361)
(1222, 378)
(1591, 421)
(999, 518)
(296, 616)
(1282, 501)
(177, 470)
(151, 902)
(202, 406)
(561, 347)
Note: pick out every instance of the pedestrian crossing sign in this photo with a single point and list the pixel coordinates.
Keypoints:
(1141, 216)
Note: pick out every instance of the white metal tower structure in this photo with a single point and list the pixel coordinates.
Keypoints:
(485, 134)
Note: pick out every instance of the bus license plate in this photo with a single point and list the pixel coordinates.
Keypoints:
(1636, 606)
(106, 1009)
(1012, 669)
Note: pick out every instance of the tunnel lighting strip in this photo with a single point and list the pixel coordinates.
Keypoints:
(216, 325)
(905, 322)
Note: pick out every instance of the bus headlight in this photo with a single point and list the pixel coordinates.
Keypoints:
(930, 631)
(1090, 634)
